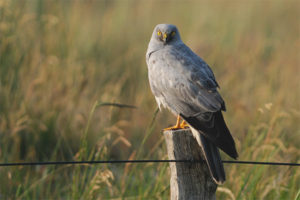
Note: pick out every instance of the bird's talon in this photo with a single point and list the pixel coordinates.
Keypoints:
(178, 125)
(173, 128)
(184, 125)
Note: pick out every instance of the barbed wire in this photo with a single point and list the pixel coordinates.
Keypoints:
(140, 161)
(99, 104)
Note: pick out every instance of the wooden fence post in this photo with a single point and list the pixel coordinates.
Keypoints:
(188, 180)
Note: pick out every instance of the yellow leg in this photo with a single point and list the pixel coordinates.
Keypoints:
(177, 126)
(184, 125)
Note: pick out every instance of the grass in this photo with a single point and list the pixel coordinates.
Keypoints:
(57, 58)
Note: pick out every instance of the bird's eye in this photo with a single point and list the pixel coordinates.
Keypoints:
(173, 33)
(158, 33)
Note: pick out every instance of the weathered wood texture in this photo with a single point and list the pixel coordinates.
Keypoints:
(188, 180)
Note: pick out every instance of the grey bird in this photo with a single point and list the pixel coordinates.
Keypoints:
(182, 82)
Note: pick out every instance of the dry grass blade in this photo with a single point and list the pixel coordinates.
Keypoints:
(99, 104)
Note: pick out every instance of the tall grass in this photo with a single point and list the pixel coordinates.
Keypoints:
(57, 58)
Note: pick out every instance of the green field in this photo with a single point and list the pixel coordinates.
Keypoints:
(59, 60)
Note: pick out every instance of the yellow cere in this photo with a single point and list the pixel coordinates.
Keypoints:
(159, 33)
(165, 35)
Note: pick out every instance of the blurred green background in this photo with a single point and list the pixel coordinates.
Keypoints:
(60, 59)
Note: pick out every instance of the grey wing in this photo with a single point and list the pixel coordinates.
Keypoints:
(201, 89)
(199, 85)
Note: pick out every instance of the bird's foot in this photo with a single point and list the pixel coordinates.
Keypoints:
(173, 128)
(184, 125)
(178, 125)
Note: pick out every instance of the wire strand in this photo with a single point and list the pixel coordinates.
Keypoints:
(139, 161)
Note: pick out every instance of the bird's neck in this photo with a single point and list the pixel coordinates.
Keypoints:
(155, 45)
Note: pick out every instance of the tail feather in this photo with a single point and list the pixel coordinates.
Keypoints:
(216, 131)
(212, 156)
(211, 133)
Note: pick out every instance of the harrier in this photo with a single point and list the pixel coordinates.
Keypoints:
(182, 82)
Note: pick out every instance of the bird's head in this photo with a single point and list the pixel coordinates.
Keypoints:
(166, 33)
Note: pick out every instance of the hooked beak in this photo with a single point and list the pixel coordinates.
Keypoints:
(165, 38)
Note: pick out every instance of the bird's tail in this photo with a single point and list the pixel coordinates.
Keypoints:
(212, 156)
